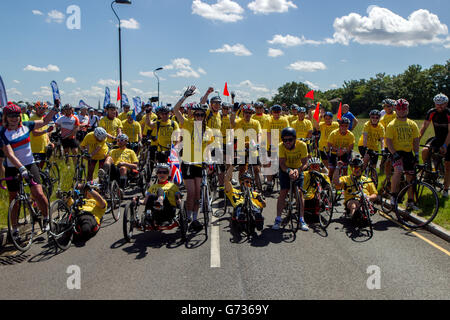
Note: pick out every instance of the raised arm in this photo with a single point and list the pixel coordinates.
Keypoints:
(189, 92)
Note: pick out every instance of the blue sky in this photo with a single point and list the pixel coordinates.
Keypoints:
(208, 42)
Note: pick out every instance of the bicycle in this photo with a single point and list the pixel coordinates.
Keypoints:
(112, 194)
(250, 219)
(24, 217)
(371, 172)
(80, 175)
(407, 209)
(434, 170)
(291, 212)
(323, 200)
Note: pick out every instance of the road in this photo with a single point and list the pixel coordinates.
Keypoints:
(336, 264)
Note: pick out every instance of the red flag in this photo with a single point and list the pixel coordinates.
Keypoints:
(339, 115)
(118, 93)
(316, 113)
(310, 95)
(225, 90)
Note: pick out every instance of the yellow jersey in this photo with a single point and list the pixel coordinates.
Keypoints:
(132, 130)
(39, 143)
(213, 119)
(164, 134)
(170, 190)
(226, 125)
(340, 141)
(402, 134)
(374, 134)
(294, 157)
(385, 120)
(236, 199)
(349, 187)
(302, 127)
(310, 187)
(91, 206)
(124, 155)
(91, 142)
(325, 131)
(111, 126)
(199, 141)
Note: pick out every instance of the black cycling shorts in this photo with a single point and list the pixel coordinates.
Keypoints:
(408, 160)
(13, 185)
(190, 171)
(69, 143)
(346, 157)
(372, 154)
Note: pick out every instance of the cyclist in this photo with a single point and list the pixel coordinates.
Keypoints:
(192, 174)
(162, 198)
(15, 141)
(440, 116)
(69, 125)
(121, 163)
(39, 138)
(95, 144)
(314, 164)
(225, 126)
(340, 144)
(302, 126)
(23, 109)
(93, 120)
(402, 137)
(325, 128)
(124, 114)
(347, 114)
(237, 200)
(373, 133)
(347, 183)
(83, 117)
(145, 122)
(133, 130)
(259, 115)
(390, 114)
(294, 114)
(213, 119)
(111, 123)
(293, 161)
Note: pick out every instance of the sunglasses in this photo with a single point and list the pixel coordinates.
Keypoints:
(375, 118)
(288, 140)
(162, 172)
(199, 114)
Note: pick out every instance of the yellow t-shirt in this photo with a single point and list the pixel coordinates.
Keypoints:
(385, 120)
(132, 130)
(170, 189)
(341, 141)
(294, 157)
(111, 126)
(325, 131)
(214, 120)
(402, 134)
(92, 143)
(90, 205)
(279, 124)
(226, 125)
(309, 187)
(236, 199)
(374, 134)
(244, 126)
(39, 143)
(144, 127)
(302, 127)
(349, 187)
(123, 116)
(199, 141)
(291, 118)
(124, 155)
(261, 118)
(164, 134)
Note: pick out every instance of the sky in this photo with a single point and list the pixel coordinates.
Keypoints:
(255, 46)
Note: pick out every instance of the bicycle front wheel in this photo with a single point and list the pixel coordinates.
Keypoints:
(373, 175)
(205, 208)
(115, 200)
(22, 222)
(55, 178)
(62, 223)
(326, 207)
(129, 220)
(417, 205)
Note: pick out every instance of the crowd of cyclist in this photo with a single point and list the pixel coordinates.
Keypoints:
(114, 141)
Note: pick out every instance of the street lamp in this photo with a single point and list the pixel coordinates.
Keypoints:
(120, 43)
(154, 73)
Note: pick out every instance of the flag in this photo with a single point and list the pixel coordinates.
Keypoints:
(175, 172)
(137, 107)
(225, 90)
(310, 95)
(317, 112)
(107, 98)
(83, 104)
(118, 93)
(55, 90)
(3, 97)
(125, 99)
(339, 115)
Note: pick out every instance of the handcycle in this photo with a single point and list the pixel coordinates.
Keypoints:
(322, 204)
(146, 163)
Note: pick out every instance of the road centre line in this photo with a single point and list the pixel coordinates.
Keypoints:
(215, 242)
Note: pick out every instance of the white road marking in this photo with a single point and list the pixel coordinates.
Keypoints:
(215, 243)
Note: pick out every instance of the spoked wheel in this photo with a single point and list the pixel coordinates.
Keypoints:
(219, 213)
(115, 200)
(55, 177)
(62, 224)
(183, 223)
(250, 224)
(326, 207)
(142, 184)
(366, 221)
(385, 196)
(24, 223)
(417, 205)
(47, 185)
(129, 222)
(205, 209)
(372, 174)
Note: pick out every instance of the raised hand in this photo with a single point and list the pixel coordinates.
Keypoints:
(190, 91)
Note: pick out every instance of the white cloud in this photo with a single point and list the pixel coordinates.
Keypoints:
(183, 69)
(237, 50)
(14, 91)
(333, 86)
(55, 16)
(49, 68)
(291, 41)
(311, 85)
(93, 92)
(37, 13)
(129, 24)
(253, 87)
(384, 27)
(137, 91)
(112, 83)
(269, 6)
(275, 53)
(16, 81)
(138, 81)
(44, 92)
(148, 74)
(201, 70)
(223, 10)
(70, 79)
(307, 66)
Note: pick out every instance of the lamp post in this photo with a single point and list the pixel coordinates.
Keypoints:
(120, 43)
(154, 73)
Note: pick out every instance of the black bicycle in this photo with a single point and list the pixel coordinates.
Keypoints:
(434, 170)
(290, 216)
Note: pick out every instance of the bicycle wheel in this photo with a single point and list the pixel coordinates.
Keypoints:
(62, 223)
(205, 208)
(326, 207)
(129, 220)
(115, 200)
(47, 185)
(25, 224)
(141, 183)
(417, 205)
(385, 196)
(295, 216)
(214, 185)
(183, 222)
(365, 218)
(372, 174)
(53, 172)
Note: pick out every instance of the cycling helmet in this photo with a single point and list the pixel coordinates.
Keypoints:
(216, 99)
(288, 132)
(67, 106)
(122, 137)
(126, 105)
(344, 121)
(328, 114)
(100, 133)
(226, 105)
(440, 98)
(294, 106)
(148, 104)
(248, 107)
(258, 104)
(356, 162)
(199, 107)
(301, 109)
(111, 106)
(83, 108)
(285, 108)
(313, 161)
(402, 103)
(389, 102)
(163, 109)
(162, 165)
(374, 112)
(11, 108)
(275, 107)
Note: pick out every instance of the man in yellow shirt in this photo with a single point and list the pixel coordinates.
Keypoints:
(120, 163)
(372, 136)
(325, 127)
(39, 138)
(133, 130)
(111, 123)
(293, 161)
(402, 138)
(124, 115)
(302, 126)
(340, 144)
(94, 143)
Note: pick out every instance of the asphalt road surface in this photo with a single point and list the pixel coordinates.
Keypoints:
(338, 263)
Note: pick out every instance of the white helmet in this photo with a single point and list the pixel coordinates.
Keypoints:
(440, 98)
(100, 133)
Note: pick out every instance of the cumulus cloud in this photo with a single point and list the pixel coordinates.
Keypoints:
(70, 79)
(49, 68)
(291, 41)
(253, 87)
(384, 27)
(112, 83)
(183, 69)
(14, 92)
(275, 53)
(307, 66)
(270, 6)
(129, 24)
(55, 16)
(37, 13)
(311, 85)
(16, 81)
(237, 50)
(223, 10)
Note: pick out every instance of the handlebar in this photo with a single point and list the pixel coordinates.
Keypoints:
(30, 181)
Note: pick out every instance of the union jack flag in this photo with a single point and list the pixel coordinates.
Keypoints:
(174, 162)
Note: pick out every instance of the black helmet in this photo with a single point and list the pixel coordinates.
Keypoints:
(288, 132)
(374, 112)
(162, 165)
(111, 106)
(356, 162)
(226, 105)
(259, 104)
(275, 107)
(294, 106)
(163, 109)
(67, 106)
(216, 99)
(344, 121)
